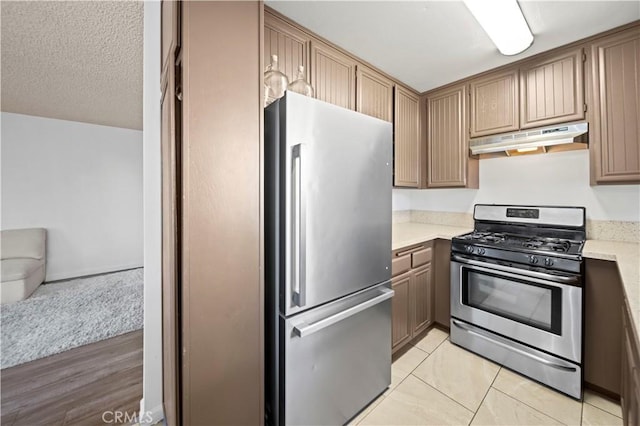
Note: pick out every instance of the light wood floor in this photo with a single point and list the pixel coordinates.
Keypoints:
(76, 386)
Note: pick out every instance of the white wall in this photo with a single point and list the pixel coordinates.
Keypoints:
(151, 403)
(400, 200)
(560, 178)
(83, 183)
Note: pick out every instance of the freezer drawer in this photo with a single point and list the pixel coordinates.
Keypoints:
(337, 358)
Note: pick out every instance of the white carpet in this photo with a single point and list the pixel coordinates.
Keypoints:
(67, 314)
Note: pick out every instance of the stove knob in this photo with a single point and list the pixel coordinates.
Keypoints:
(469, 249)
(533, 259)
(548, 262)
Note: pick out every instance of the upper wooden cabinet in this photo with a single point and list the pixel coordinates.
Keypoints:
(494, 103)
(374, 94)
(552, 90)
(615, 132)
(448, 163)
(333, 75)
(290, 44)
(407, 151)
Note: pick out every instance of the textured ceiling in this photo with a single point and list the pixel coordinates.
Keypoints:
(426, 44)
(79, 61)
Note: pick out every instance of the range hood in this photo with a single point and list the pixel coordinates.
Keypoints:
(531, 140)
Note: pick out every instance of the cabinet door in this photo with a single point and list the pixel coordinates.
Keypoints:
(401, 311)
(422, 298)
(447, 139)
(290, 44)
(552, 90)
(374, 94)
(407, 150)
(603, 329)
(333, 75)
(615, 137)
(442, 283)
(494, 104)
(630, 392)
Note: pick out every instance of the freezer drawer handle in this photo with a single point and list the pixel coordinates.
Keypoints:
(304, 330)
(298, 275)
(534, 357)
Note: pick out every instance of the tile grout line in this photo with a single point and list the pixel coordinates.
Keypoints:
(428, 355)
(600, 408)
(372, 410)
(401, 381)
(582, 410)
(533, 408)
(442, 393)
(485, 394)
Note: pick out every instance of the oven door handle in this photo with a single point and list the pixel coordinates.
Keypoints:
(511, 348)
(540, 275)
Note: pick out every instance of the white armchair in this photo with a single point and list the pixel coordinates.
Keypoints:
(22, 264)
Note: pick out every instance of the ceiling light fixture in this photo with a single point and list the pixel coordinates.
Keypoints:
(504, 23)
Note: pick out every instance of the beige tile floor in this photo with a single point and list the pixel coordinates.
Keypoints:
(438, 383)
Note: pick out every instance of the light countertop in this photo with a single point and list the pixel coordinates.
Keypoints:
(626, 255)
(409, 233)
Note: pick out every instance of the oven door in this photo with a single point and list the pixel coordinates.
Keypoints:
(538, 309)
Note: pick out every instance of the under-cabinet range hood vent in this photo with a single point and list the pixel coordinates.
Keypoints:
(532, 140)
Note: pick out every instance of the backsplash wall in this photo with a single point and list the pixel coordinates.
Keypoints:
(547, 179)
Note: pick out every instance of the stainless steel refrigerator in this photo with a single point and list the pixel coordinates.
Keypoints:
(327, 261)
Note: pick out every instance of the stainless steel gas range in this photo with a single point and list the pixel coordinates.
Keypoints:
(517, 291)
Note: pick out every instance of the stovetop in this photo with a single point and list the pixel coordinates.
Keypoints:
(538, 237)
(549, 253)
(526, 243)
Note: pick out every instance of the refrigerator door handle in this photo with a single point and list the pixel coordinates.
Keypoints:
(298, 224)
(303, 330)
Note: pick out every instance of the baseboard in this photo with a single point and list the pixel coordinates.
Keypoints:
(90, 271)
(609, 394)
(150, 416)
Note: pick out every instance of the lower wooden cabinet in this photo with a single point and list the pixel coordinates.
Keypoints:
(612, 350)
(602, 325)
(401, 310)
(412, 307)
(422, 299)
(442, 283)
(630, 387)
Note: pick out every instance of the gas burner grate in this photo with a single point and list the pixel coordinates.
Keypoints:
(551, 244)
(487, 237)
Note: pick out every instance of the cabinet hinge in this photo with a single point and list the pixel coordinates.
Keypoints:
(584, 107)
(584, 57)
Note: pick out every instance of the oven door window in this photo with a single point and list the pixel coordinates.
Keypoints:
(533, 304)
